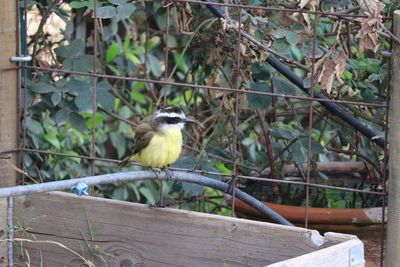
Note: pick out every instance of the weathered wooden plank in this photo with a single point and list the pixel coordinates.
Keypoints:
(338, 255)
(137, 234)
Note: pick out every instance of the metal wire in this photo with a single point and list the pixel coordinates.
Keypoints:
(92, 158)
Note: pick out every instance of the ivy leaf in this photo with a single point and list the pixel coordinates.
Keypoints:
(119, 143)
(117, 2)
(56, 98)
(298, 152)
(292, 38)
(155, 67)
(188, 161)
(281, 46)
(256, 101)
(71, 50)
(75, 86)
(78, 122)
(78, 4)
(279, 33)
(112, 52)
(281, 133)
(125, 10)
(52, 140)
(105, 12)
(43, 88)
(260, 72)
(283, 86)
(34, 126)
(84, 101)
(62, 116)
(103, 97)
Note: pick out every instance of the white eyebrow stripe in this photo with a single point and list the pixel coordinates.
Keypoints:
(171, 115)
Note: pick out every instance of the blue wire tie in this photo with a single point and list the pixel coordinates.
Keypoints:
(81, 189)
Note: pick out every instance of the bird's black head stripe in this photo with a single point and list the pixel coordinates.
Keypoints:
(170, 109)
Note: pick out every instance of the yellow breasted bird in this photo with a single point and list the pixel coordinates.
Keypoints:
(158, 139)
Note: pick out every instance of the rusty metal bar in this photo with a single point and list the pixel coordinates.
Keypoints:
(106, 76)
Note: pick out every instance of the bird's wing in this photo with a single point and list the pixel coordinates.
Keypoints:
(144, 132)
(142, 141)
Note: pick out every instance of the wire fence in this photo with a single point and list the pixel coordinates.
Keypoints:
(342, 106)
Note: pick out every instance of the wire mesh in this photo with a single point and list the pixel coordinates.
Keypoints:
(236, 89)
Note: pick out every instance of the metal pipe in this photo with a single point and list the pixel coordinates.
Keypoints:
(10, 226)
(334, 108)
(144, 175)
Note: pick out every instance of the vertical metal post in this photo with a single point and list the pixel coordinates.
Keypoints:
(8, 107)
(393, 223)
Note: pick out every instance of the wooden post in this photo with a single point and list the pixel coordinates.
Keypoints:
(393, 222)
(8, 89)
(8, 106)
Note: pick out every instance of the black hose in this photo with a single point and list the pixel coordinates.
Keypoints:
(333, 108)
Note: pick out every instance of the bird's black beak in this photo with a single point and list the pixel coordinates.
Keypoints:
(187, 120)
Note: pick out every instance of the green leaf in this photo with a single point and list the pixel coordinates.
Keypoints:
(84, 101)
(188, 161)
(43, 88)
(283, 86)
(279, 33)
(71, 50)
(154, 63)
(118, 141)
(260, 72)
(52, 140)
(56, 98)
(77, 122)
(281, 46)
(62, 116)
(103, 97)
(292, 38)
(298, 152)
(133, 58)
(112, 52)
(117, 2)
(78, 4)
(147, 194)
(367, 95)
(106, 12)
(256, 101)
(281, 133)
(138, 98)
(120, 193)
(34, 126)
(125, 10)
(75, 86)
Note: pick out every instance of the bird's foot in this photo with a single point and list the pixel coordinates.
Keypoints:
(157, 172)
(168, 173)
(230, 185)
(157, 205)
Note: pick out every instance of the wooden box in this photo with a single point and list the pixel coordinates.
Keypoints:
(61, 229)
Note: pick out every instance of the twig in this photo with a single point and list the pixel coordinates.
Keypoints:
(266, 131)
(40, 29)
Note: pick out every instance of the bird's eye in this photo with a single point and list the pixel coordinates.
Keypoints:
(173, 120)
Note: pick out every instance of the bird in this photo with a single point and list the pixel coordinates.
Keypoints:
(158, 138)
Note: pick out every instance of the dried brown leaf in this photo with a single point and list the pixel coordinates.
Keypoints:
(375, 6)
(327, 75)
(341, 66)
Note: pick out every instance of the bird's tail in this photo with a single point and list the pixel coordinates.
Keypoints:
(125, 161)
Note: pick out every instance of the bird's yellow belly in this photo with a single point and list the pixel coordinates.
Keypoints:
(163, 149)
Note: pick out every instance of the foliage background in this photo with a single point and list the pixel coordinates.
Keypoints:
(351, 63)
